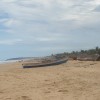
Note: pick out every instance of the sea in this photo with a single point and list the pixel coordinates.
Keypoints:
(8, 61)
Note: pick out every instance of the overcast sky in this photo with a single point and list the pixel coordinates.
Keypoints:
(42, 27)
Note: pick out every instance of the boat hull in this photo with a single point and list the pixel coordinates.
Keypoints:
(45, 64)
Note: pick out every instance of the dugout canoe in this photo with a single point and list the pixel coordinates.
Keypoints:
(32, 65)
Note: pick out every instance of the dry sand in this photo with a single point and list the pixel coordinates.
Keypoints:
(75, 80)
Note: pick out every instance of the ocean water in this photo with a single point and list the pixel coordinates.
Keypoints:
(8, 61)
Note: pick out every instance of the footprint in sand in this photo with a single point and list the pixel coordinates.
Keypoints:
(23, 98)
(1, 92)
(63, 91)
(8, 99)
(47, 92)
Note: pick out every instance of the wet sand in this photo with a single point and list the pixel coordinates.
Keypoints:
(74, 80)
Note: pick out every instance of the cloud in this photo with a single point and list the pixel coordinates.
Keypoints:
(97, 9)
(44, 15)
(10, 42)
(50, 23)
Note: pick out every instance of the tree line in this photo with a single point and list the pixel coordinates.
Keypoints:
(96, 50)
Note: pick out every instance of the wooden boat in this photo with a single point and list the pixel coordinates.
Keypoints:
(31, 65)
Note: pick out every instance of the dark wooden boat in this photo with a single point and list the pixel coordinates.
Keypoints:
(31, 65)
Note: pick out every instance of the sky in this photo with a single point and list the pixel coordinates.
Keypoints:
(31, 28)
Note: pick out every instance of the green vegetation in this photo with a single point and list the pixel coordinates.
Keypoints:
(84, 53)
(88, 52)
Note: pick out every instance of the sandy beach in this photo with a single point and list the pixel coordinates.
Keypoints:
(74, 80)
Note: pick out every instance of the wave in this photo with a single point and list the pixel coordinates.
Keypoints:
(8, 61)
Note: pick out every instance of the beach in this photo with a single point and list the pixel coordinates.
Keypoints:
(73, 80)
